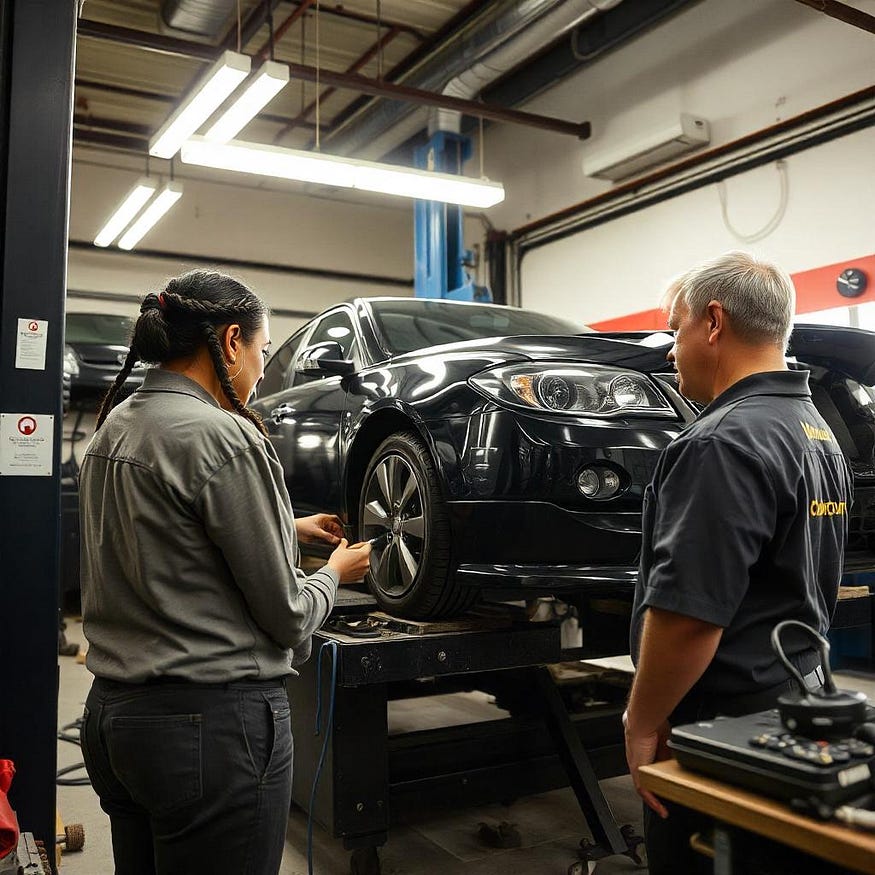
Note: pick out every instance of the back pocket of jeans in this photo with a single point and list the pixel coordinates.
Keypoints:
(158, 759)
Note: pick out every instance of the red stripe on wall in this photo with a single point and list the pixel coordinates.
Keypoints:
(815, 290)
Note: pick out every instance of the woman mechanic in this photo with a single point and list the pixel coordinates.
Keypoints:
(193, 608)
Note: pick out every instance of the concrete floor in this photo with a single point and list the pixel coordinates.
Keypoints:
(551, 824)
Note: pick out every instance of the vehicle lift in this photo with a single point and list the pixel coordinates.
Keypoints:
(367, 778)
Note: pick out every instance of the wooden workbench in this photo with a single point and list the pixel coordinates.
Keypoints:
(756, 814)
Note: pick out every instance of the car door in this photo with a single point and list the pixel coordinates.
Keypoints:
(304, 417)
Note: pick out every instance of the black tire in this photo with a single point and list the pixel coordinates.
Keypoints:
(411, 565)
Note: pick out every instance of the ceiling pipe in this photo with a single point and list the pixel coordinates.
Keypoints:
(484, 72)
(843, 12)
(496, 29)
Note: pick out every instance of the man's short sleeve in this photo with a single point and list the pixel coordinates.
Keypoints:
(715, 512)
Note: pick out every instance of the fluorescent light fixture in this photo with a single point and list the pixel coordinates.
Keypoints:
(269, 161)
(170, 194)
(127, 209)
(203, 100)
(271, 79)
(428, 186)
(342, 172)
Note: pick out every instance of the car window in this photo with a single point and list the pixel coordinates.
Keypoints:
(336, 326)
(416, 324)
(98, 328)
(277, 368)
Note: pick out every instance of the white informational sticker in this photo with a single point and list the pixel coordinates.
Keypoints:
(30, 344)
(26, 444)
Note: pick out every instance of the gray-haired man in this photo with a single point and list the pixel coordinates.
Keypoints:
(730, 544)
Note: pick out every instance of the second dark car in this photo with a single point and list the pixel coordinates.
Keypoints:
(492, 448)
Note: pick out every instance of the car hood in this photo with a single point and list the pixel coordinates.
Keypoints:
(622, 351)
(850, 351)
(100, 353)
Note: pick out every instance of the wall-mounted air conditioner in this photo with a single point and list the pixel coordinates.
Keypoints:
(687, 133)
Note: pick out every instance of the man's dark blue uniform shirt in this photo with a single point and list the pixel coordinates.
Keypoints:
(744, 525)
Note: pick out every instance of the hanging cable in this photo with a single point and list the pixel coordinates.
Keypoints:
(331, 647)
(318, 101)
(270, 28)
(239, 28)
(303, 61)
(772, 223)
(480, 148)
(380, 40)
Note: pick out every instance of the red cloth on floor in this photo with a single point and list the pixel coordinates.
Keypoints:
(8, 820)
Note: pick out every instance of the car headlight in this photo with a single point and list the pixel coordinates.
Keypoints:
(71, 363)
(587, 390)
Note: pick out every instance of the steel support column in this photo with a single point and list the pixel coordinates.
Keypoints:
(438, 234)
(37, 39)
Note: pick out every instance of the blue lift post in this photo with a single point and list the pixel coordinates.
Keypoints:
(438, 241)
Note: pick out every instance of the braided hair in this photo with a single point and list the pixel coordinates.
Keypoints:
(183, 318)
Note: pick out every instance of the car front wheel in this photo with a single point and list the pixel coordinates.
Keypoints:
(402, 506)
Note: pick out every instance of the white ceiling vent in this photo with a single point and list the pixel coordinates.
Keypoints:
(687, 133)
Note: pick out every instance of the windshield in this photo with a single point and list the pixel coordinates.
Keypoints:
(416, 324)
(99, 328)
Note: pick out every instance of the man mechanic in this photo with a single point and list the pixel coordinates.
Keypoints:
(733, 537)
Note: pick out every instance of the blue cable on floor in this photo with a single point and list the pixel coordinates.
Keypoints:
(332, 651)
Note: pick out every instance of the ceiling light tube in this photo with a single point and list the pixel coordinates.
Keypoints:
(269, 161)
(132, 204)
(170, 194)
(271, 79)
(202, 101)
(426, 185)
(342, 172)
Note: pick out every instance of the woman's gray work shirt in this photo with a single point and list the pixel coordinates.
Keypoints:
(188, 545)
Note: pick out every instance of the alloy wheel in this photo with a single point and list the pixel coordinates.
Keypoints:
(394, 512)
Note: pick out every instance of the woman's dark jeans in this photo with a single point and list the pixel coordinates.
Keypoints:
(195, 778)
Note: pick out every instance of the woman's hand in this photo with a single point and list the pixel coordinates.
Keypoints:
(321, 528)
(350, 563)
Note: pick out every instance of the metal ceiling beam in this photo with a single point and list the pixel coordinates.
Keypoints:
(465, 14)
(371, 20)
(357, 65)
(404, 93)
(843, 12)
(125, 91)
(86, 137)
(254, 22)
(153, 42)
(348, 81)
(114, 126)
(281, 31)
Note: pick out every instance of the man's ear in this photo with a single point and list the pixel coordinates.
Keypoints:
(232, 342)
(716, 317)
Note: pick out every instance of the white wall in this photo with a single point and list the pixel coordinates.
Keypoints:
(624, 265)
(244, 222)
(743, 65)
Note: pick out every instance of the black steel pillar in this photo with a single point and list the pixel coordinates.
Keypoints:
(37, 39)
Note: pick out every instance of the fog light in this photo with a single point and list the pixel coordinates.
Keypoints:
(598, 483)
(588, 482)
(610, 482)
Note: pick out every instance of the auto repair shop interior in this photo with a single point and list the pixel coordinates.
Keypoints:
(463, 216)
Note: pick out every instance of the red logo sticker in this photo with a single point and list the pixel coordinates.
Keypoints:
(34, 326)
(27, 425)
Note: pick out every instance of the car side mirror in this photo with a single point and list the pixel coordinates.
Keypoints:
(324, 358)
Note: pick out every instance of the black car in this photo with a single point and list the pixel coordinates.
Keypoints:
(99, 343)
(492, 448)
